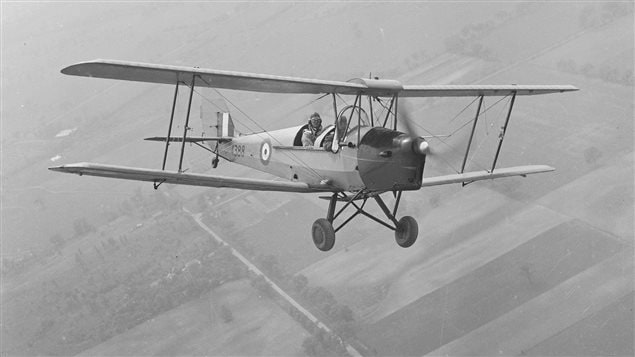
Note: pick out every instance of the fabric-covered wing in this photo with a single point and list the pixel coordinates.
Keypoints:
(166, 74)
(158, 176)
(154, 73)
(485, 175)
(480, 89)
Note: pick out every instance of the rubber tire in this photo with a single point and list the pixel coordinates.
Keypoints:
(406, 232)
(323, 234)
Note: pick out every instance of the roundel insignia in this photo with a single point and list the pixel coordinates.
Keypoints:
(265, 152)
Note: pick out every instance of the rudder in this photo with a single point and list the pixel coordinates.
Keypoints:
(215, 115)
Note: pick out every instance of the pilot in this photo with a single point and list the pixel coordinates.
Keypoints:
(313, 130)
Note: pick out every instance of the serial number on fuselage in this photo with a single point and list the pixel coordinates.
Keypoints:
(238, 150)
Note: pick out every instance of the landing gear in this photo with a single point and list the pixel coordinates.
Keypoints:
(215, 159)
(406, 232)
(323, 234)
(406, 229)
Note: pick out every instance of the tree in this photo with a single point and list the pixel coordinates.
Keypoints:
(323, 298)
(299, 282)
(226, 314)
(589, 17)
(587, 69)
(82, 227)
(57, 241)
(627, 78)
(344, 329)
(260, 284)
(592, 155)
(270, 264)
(344, 313)
(609, 74)
(613, 10)
(312, 347)
(567, 65)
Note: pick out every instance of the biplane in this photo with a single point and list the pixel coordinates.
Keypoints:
(356, 158)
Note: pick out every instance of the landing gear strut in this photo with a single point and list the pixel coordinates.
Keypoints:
(323, 233)
(215, 160)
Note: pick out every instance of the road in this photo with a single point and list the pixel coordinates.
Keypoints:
(197, 218)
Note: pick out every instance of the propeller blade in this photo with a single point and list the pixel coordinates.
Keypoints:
(420, 145)
(404, 116)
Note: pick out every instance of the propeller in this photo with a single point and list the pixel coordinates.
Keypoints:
(417, 142)
(446, 148)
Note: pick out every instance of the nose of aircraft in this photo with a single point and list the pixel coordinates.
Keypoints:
(418, 145)
(391, 160)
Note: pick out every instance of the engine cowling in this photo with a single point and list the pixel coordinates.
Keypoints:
(391, 160)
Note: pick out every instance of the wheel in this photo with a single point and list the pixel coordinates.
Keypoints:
(406, 232)
(323, 234)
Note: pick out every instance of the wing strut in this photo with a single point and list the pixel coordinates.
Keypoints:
(187, 122)
(158, 183)
(501, 136)
(469, 143)
(167, 138)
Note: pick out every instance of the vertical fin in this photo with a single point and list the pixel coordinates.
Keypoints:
(225, 125)
(215, 119)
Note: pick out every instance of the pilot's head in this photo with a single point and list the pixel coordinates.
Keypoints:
(315, 120)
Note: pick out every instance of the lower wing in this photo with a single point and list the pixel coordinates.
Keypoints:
(485, 175)
(159, 176)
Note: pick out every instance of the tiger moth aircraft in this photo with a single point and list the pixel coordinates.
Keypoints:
(357, 157)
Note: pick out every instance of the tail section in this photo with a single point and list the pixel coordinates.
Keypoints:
(225, 125)
(215, 117)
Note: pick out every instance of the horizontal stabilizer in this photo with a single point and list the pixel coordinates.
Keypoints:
(188, 139)
(159, 176)
(486, 175)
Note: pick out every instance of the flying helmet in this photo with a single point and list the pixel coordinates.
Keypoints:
(315, 120)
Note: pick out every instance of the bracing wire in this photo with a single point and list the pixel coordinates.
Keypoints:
(486, 133)
(290, 155)
(444, 142)
(464, 109)
(288, 114)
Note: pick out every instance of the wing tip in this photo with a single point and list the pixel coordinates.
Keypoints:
(70, 168)
(75, 69)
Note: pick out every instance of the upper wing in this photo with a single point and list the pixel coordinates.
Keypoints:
(481, 90)
(154, 73)
(159, 176)
(485, 175)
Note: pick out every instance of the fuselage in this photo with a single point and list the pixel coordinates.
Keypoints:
(376, 162)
